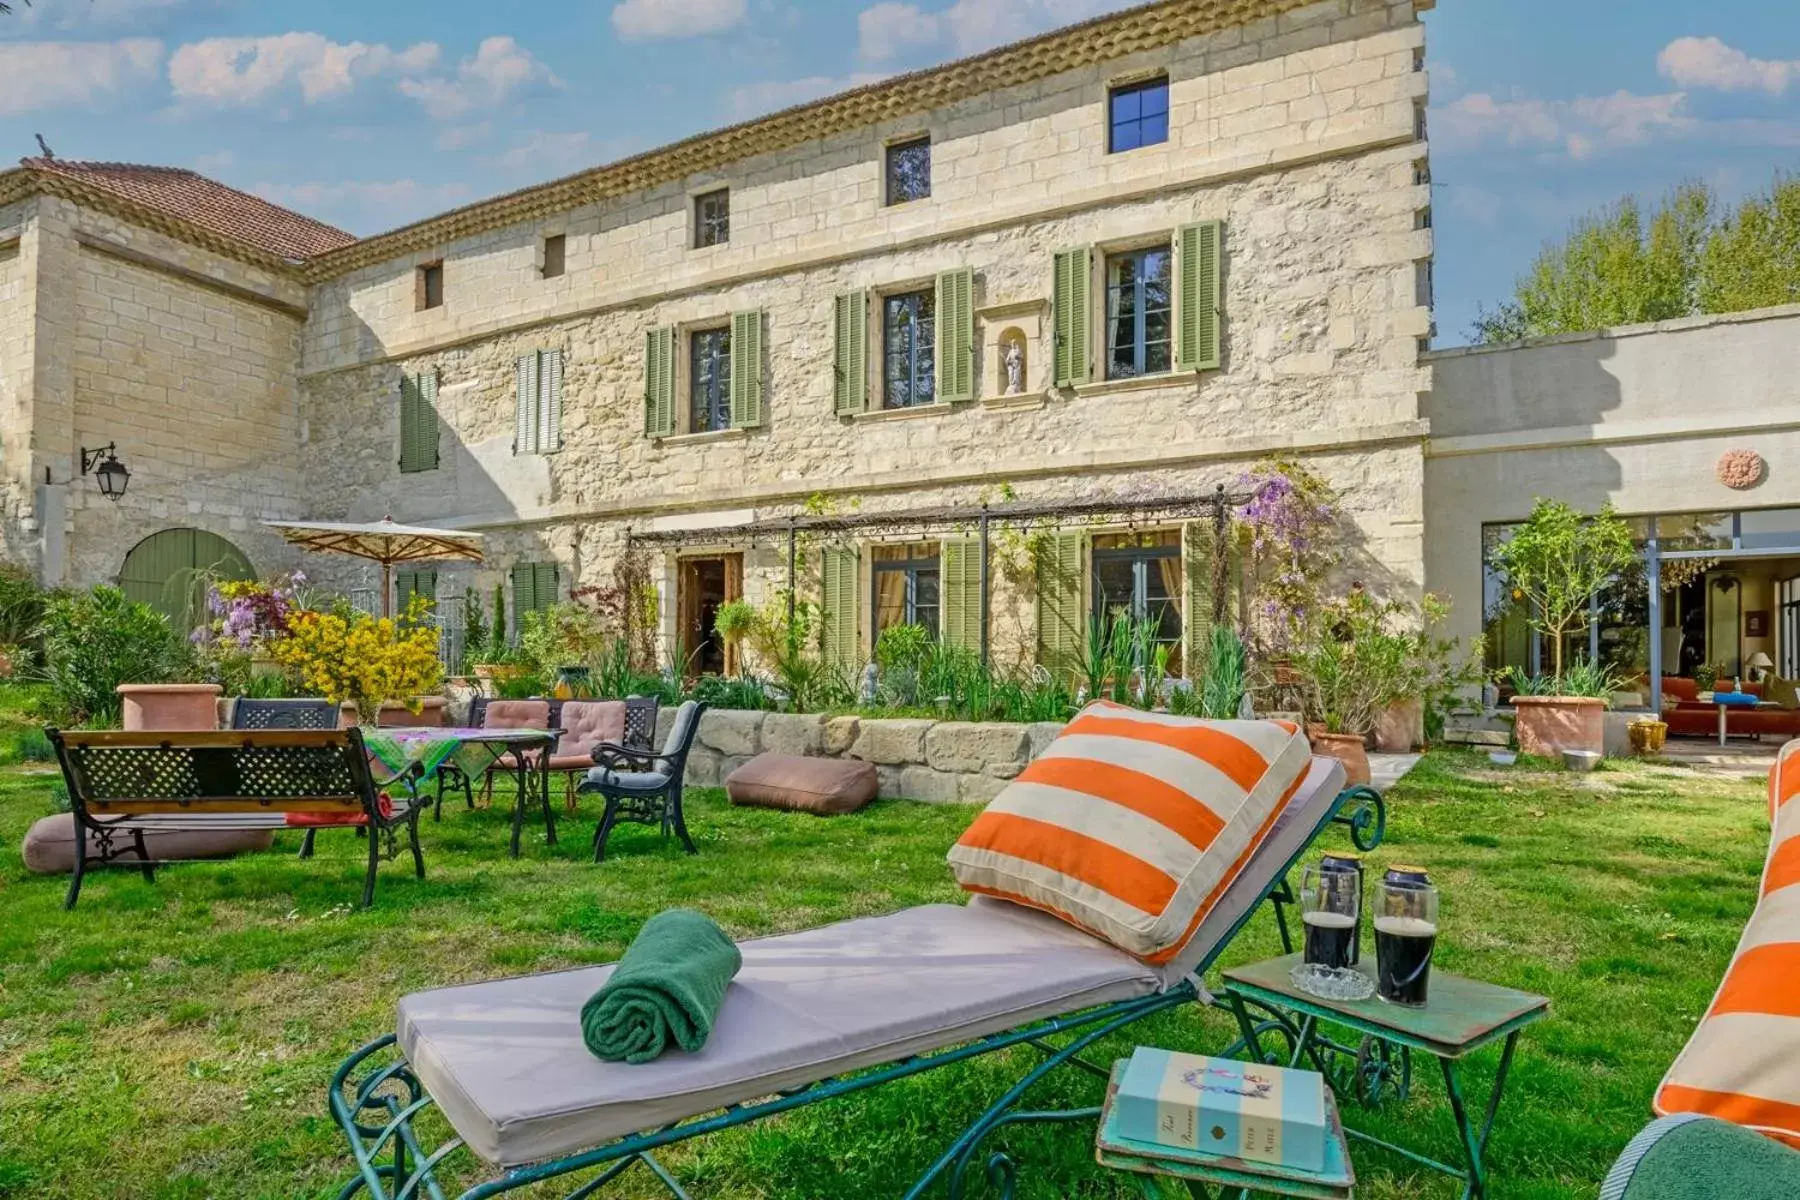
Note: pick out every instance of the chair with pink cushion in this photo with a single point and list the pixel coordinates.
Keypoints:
(511, 714)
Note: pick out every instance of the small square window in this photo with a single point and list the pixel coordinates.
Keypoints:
(554, 248)
(429, 289)
(712, 219)
(1138, 114)
(909, 171)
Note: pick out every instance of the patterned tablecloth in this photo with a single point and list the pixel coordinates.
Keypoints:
(396, 752)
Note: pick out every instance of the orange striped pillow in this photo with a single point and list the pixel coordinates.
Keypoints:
(1132, 824)
(1743, 1063)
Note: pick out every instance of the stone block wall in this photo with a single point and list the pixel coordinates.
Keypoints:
(936, 762)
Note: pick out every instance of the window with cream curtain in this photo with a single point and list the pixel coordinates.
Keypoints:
(1139, 574)
(907, 581)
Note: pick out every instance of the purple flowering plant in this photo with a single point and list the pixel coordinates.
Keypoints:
(1289, 522)
(245, 616)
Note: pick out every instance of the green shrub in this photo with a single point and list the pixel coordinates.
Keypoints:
(21, 608)
(96, 640)
(31, 745)
(1222, 694)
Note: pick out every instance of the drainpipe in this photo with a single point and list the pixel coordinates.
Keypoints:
(1653, 574)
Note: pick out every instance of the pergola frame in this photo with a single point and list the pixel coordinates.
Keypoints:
(1150, 509)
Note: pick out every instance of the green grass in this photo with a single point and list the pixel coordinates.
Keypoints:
(174, 1040)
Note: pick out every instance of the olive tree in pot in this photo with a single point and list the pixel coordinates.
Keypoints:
(1556, 563)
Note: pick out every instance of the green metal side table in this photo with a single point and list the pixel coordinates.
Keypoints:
(1231, 1176)
(1463, 1016)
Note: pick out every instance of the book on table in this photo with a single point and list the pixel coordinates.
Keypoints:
(1220, 1107)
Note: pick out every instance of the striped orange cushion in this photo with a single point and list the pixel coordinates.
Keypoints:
(1132, 824)
(1743, 1063)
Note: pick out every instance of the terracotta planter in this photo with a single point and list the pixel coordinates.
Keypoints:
(1547, 726)
(432, 714)
(170, 706)
(1348, 749)
(1400, 728)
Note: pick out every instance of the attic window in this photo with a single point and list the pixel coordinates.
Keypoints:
(554, 246)
(429, 287)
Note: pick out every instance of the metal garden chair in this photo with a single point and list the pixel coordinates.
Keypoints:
(645, 788)
(284, 714)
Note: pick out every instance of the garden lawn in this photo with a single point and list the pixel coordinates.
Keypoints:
(175, 1039)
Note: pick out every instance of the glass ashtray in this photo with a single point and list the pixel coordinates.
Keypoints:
(1332, 983)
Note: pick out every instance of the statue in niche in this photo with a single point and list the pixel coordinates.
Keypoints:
(1012, 358)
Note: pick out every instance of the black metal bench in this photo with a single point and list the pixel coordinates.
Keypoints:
(125, 785)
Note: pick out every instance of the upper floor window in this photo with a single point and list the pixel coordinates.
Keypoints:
(909, 349)
(909, 171)
(712, 218)
(709, 380)
(1138, 114)
(537, 403)
(428, 287)
(555, 246)
(1138, 326)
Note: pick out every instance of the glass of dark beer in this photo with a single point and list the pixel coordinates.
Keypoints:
(1406, 924)
(1331, 902)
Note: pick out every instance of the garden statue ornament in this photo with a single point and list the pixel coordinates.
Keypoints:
(1015, 367)
(871, 676)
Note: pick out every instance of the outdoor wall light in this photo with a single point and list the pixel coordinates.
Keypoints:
(108, 472)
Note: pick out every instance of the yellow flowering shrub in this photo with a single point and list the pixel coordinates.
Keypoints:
(369, 661)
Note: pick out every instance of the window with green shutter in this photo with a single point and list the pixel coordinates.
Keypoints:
(956, 335)
(1198, 299)
(961, 593)
(1199, 560)
(850, 354)
(1061, 607)
(747, 369)
(535, 587)
(659, 382)
(838, 626)
(1071, 315)
(537, 403)
(418, 422)
(408, 584)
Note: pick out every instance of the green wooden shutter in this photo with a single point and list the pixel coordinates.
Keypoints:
(659, 383)
(1197, 296)
(959, 592)
(545, 585)
(1199, 553)
(525, 405)
(747, 369)
(408, 584)
(524, 581)
(549, 416)
(956, 335)
(1061, 603)
(418, 422)
(850, 356)
(838, 629)
(1070, 314)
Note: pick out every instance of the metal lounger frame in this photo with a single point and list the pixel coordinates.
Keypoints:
(376, 1111)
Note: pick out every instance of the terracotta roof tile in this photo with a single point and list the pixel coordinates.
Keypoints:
(205, 202)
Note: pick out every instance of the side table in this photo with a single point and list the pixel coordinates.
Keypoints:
(1464, 1015)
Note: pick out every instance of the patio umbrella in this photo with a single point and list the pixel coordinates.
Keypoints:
(384, 542)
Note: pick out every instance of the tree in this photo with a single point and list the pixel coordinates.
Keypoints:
(1558, 561)
(1752, 260)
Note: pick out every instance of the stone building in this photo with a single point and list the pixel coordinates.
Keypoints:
(1113, 265)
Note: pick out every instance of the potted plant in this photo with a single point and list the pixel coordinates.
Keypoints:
(1428, 671)
(495, 660)
(352, 658)
(1350, 674)
(1556, 563)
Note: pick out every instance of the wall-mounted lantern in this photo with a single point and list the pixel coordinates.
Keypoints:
(108, 472)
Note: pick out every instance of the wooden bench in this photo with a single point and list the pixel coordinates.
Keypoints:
(125, 785)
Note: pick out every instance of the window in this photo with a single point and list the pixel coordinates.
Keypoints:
(712, 219)
(1137, 313)
(709, 380)
(907, 586)
(1138, 114)
(1139, 575)
(429, 290)
(537, 403)
(418, 423)
(909, 349)
(554, 248)
(909, 171)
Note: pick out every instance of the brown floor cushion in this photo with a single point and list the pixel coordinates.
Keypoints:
(49, 847)
(814, 785)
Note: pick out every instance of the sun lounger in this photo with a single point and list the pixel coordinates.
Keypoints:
(812, 1014)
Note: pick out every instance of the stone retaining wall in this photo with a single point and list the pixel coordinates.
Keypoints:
(938, 762)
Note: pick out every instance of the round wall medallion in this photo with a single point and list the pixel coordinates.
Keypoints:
(1741, 469)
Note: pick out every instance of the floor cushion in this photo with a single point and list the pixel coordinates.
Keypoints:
(1132, 824)
(1690, 1157)
(815, 785)
(49, 847)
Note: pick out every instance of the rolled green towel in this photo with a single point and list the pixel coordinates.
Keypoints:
(667, 988)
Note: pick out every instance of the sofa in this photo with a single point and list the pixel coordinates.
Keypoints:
(1687, 715)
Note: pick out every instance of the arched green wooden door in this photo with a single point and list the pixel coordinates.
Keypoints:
(167, 571)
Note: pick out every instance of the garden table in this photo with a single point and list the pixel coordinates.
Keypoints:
(1725, 702)
(413, 756)
(1463, 1016)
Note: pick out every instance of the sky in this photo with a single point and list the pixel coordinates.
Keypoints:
(372, 113)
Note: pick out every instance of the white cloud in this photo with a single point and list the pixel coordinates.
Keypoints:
(246, 70)
(648, 20)
(1692, 62)
(890, 29)
(98, 14)
(366, 207)
(756, 99)
(1580, 127)
(498, 68)
(45, 75)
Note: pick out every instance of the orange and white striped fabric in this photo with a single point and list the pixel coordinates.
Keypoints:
(1132, 824)
(1743, 1063)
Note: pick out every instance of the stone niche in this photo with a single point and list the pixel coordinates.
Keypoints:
(1020, 328)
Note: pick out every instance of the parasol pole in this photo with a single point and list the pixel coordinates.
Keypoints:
(387, 588)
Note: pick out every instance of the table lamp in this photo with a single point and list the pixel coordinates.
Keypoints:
(1761, 664)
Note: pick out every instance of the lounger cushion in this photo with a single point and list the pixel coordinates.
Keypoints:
(1132, 824)
(49, 847)
(815, 785)
(1740, 1064)
(505, 1061)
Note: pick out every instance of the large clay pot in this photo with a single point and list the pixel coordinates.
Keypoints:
(170, 706)
(1400, 728)
(433, 713)
(1647, 736)
(1548, 726)
(1348, 749)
